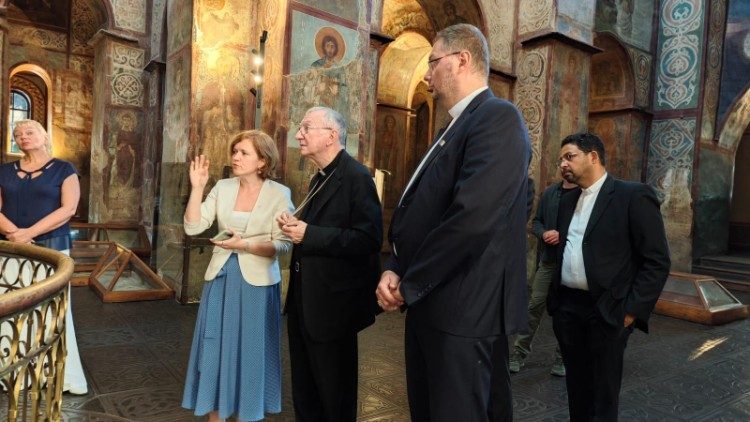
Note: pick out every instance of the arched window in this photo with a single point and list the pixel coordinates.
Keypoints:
(20, 109)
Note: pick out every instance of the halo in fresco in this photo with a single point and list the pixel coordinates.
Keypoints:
(327, 31)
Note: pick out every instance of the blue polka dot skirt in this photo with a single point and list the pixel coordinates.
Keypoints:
(235, 359)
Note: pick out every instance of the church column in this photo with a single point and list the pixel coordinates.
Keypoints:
(117, 129)
(676, 126)
(552, 66)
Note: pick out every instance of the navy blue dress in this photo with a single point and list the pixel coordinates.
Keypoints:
(27, 200)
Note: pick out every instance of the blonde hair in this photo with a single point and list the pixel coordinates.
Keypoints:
(38, 126)
(264, 146)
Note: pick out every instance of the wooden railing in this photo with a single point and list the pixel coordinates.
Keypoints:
(33, 301)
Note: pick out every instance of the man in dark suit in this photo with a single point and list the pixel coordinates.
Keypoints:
(334, 267)
(613, 261)
(458, 237)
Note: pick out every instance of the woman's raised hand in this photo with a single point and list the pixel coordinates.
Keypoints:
(199, 172)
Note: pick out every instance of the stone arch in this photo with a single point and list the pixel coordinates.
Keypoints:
(40, 72)
(720, 189)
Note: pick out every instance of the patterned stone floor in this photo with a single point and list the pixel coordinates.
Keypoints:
(135, 356)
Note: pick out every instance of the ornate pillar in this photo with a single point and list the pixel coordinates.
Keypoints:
(117, 129)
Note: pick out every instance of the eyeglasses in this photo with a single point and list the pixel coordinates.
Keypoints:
(434, 62)
(568, 157)
(305, 129)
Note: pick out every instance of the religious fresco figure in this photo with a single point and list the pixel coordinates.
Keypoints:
(330, 46)
(451, 16)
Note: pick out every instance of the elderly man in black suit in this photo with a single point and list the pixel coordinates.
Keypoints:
(335, 265)
(613, 261)
(458, 237)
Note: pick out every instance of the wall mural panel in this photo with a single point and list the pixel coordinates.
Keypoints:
(391, 133)
(713, 70)
(680, 54)
(568, 100)
(126, 82)
(531, 97)
(131, 14)
(670, 164)
(641, 63)
(30, 36)
(86, 21)
(180, 23)
(736, 58)
(326, 66)
(500, 18)
(631, 20)
(82, 64)
(347, 9)
(222, 101)
(177, 107)
(612, 83)
(575, 18)
(158, 11)
(535, 16)
(623, 135)
(406, 15)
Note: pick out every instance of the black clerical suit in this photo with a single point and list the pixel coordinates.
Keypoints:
(626, 261)
(459, 239)
(333, 274)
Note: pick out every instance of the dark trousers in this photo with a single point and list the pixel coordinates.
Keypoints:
(501, 395)
(447, 376)
(592, 352)
(324, 375)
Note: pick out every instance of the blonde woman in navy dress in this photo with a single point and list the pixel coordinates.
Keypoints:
(235, 359)
(38, 196)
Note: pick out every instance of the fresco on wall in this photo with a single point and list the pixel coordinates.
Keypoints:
(347, 9)
(568, 99)
(158, 29)
(121, 173)
(308, 37)
(679, 55)
(177, 107)
(612, 86)
(406, 15)
(221, 102)
(131, 14)
(575, 19)
(631, 20)
(390, 149)
(180, 23)
(736, 60)
(126, 87)
(47, 12)
(622, 134)
(87, 19)
(340, 86)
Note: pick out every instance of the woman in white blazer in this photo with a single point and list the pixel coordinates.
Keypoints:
(235, 359)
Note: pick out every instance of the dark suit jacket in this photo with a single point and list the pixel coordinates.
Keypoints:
(625, 251)
(340, 253)
(459, 232)
(546, 219)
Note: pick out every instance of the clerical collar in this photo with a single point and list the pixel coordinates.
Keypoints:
(332, 165)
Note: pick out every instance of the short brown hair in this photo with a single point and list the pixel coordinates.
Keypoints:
(264, 146)
(463, 36)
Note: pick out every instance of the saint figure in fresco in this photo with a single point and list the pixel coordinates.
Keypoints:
(388, 144)
(330, 46)
(451, 16)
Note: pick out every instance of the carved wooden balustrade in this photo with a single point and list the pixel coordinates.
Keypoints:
(33, 301)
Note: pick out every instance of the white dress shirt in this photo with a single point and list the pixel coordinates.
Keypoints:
(455, 112)
(573, 272)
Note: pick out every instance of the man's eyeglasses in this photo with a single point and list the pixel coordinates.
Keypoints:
(568, 157)
(305, 129)
(434, 62)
